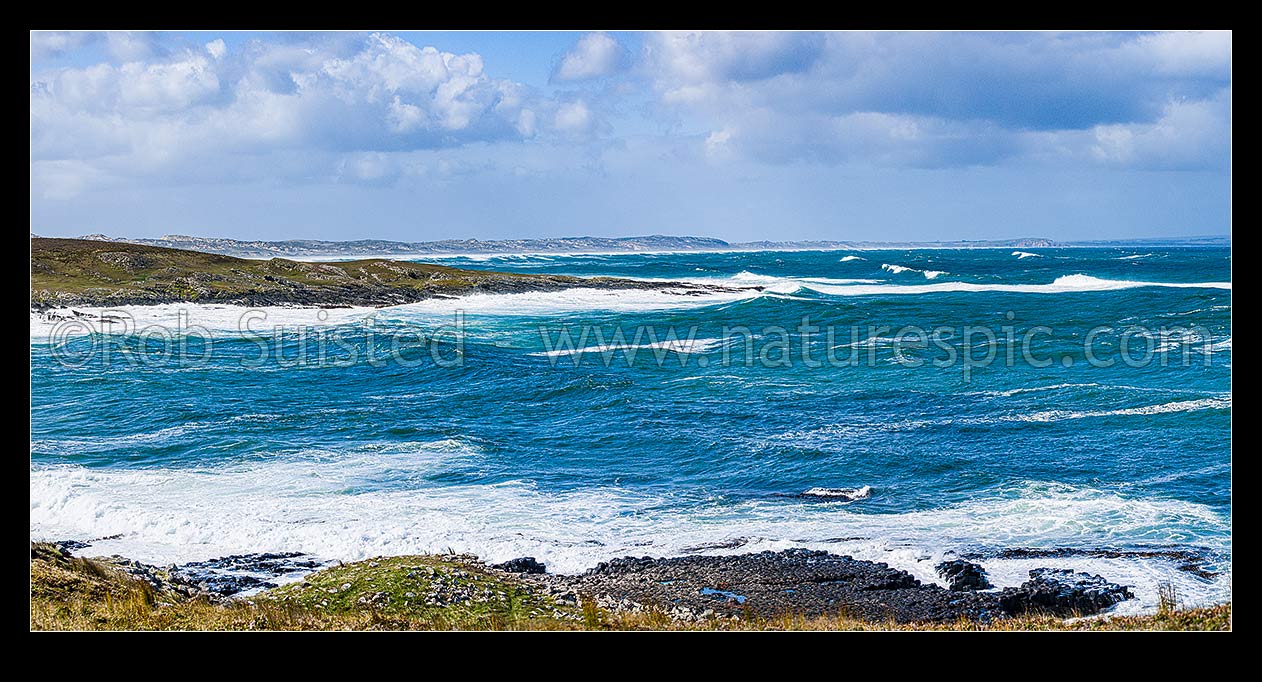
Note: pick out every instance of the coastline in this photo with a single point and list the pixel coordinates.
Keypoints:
(67, 273)
(905, 551)
(793, 589)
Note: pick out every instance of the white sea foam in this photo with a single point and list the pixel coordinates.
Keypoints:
(775, 285)
(847, 259)
(361, 503)
(569, 300)
(832, 432)
(845, 494)
(62, 322)
(1061, 285)
(898, 269)
(1217, 403)
(1056, 387)
(1026, 254)
(876, 341)
(684, 345)
(1133, 257)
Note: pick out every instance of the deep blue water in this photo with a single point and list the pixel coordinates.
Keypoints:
(522, 448)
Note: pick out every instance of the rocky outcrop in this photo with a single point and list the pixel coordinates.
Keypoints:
(1062, 592)
(70, 272)
(241, 573)
(526, 564)
(963, 576)
(797, 581)
(816, 583)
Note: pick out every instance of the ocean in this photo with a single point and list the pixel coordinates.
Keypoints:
(1024, 408)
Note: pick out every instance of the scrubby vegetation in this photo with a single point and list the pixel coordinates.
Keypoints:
(429, 593)
(67, 272)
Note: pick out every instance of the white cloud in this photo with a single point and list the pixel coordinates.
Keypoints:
(595, 55)
(51, 44)
(574, 117)
(942, 99)
(691, 57)
(121, 46)
(202, 108)
(217, 48)
(1190, 134)
(1184, 53)
(353, 107)
(130, 46)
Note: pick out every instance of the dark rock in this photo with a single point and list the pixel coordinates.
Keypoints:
(526, 564)
(1194, 561)
(796, 581)
(270, 563)
(1062, 592)
(71, 545)
(224, 585)
(963, 576)
(238, 573)
(818, 583)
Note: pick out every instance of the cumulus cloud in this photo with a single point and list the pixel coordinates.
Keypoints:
(1188, 135)
(704, 57)
(947, 98)
(121, 46)
(594, 56)
(217, 48)
(53, 44)
(574, 117)
(375, 109)
(206, 107)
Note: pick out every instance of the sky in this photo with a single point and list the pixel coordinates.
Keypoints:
(737, 135)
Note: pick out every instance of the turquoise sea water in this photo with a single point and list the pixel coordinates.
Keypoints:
(497, 439)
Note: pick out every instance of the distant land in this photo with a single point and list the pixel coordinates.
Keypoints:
(314, 248)
(79, 272)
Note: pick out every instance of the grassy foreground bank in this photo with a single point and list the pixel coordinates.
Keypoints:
(428, 593)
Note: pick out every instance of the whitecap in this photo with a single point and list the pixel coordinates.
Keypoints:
(1061, 285)
(840, 494)
(328, 504)
(685, 346)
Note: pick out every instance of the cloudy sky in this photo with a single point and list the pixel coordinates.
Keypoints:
(415, 136)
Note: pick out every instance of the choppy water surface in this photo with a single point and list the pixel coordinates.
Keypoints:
(701, 440)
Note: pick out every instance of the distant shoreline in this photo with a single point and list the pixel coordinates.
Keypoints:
(316, 250)
(87, 273)
(865, 249)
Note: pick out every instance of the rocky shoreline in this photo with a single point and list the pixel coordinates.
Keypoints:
(67, 273)
(801, 582)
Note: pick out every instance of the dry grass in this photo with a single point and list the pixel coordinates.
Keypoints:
(70, 593)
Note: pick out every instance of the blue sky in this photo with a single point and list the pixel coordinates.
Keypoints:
(744, 135)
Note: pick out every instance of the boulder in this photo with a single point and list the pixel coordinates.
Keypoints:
(1062, 592)
(963, 576)
(526, 564)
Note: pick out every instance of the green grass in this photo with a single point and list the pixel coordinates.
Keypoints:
(86, 272)
(438, 592)
(393, 593)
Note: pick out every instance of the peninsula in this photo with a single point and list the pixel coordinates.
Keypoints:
(80, 272)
